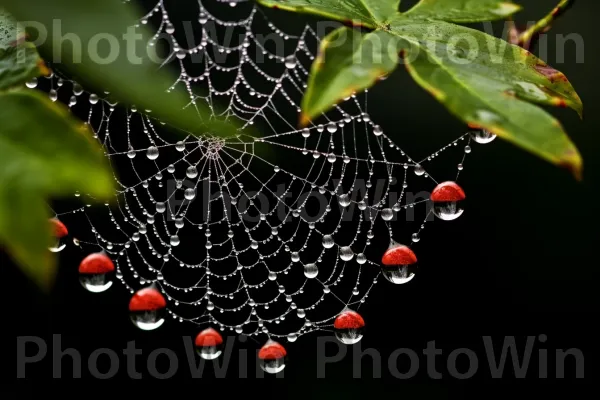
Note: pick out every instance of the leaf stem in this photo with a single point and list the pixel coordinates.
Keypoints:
(543, 24)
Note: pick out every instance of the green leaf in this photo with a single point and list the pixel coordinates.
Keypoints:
(103, 60)
(463, 11)
(348, 62)
(50, 154)
(483, 80)
(366, 13)
(19, 60)
(19, 64)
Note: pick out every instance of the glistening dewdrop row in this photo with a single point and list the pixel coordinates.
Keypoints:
(148, 306)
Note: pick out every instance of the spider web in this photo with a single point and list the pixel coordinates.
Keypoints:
(273, 233)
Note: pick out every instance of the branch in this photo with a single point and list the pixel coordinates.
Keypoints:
(544, 24)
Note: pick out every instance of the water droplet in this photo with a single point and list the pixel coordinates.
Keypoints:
(152, 153)
(96, 272)
(415, 237)
(419, 170)
(181, 53)
(290, 62)
(93, 98)
(60, 234)
(32, 83)
(53, 94)
(77, 89)
(292, 337)
(346, 253)
(131, 153)
(180, 146)
(311, 271)
(387, 214)
(174, 240)
(482, 136)
(305, 132)
(377, 131)
(272, 276)
(161, 207)
(191, 172)
(189, 194)
(328, 241)
(361, 258)
(209, 344)
(147, 308)
(272, 357)
(332, 127)
(295, 256)
(331, 158)
(349, 326)
(344, 200)
(445, 198)
(399, 263)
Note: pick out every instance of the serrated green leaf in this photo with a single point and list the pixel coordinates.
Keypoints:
(366, 13)
(19, 64)
(483, 80)
(348, 62)
(127, 70)
(463, 11)
(44, 151)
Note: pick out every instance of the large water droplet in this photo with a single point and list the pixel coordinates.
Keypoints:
(387, 214)
(328, 241)
(272, 357)
(311, 270)
(96, 272)
(482, 136)
(344, 200)
(447, 210)
(419, 170)
(161, 207)
(147, 309)
(346, 253)
(332, 127)
(377, 131)
(189, 194)
(191, 172)
(180, 146)
(209, 344)
(349, 327)
(152, 153)
(174, 240)
(32, 83)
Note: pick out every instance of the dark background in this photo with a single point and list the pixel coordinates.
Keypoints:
(521, 261)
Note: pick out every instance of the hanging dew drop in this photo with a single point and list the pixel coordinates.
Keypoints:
(32, 83)
(53, 94)
(419, 170)
(174, 240)
(272, 357)
(328, 241)
(161, 207)
(60, 234)
(131, 153)
(332, 127)
(311, 270)
(346, 253)
(272, 276)
(446, 198)
(482, 136)
(377, 131)
(387, 214)
(349, 326)
(331, 158)
(77, 89)
(147, 308)
(152, 153)
(290, 62)
(344, 200)
(399, 264)
(191, 172)
(93, 98)
(209, 344)
(189, 194)
(180, 146)
(415, 237)
(96, 272)
(361, 258)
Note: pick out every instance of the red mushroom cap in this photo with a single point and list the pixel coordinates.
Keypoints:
(58, 228)
(147, 299)
(96, 263)
(349, 320)
(272, 351)
(399, 255)
(447, 191)
(208, 337)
